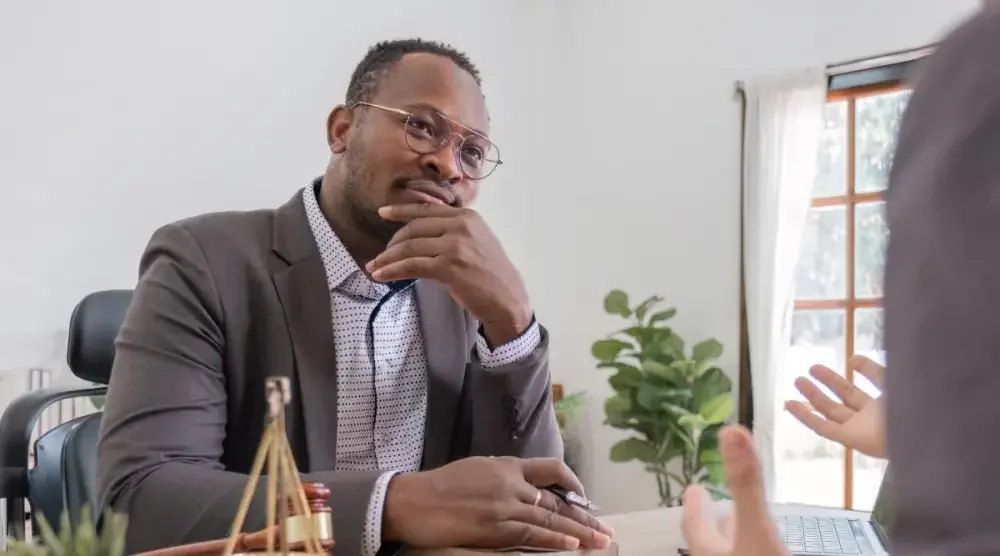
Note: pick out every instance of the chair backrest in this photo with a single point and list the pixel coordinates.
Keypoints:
(65, 472)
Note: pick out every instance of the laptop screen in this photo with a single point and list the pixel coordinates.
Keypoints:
(882, 511)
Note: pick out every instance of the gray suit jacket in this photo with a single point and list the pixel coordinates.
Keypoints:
(226, 300)
(942, 304)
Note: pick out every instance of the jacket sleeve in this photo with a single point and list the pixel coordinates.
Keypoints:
(942, 305)
(508, 396)
(165, 419)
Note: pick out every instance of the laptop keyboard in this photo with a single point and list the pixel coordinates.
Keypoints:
(823, 535)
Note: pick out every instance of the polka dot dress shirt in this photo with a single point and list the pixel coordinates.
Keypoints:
(381, 369)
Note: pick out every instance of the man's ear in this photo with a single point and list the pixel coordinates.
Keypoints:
(337, 127)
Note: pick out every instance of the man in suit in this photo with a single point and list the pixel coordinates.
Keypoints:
(406, 333)
(942, 322)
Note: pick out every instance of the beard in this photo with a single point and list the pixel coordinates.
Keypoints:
(360, 208)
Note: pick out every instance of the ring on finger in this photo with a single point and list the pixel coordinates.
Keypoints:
(538, 497)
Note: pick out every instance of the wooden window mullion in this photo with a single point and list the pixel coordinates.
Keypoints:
(849, 317)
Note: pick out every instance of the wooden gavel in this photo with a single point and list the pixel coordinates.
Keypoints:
(296, 527)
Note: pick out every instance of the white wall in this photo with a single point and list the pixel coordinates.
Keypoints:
(618, 124)
(644, 191)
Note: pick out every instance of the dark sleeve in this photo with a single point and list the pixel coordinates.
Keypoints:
(511, 406)
(942, 302)
(165, 418)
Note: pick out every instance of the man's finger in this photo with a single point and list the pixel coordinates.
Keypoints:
(416, 267)
(423, 227)
(550, 501)
(699, 526)
(410, 211)
(853, 397)
(408, 249)
(518, 533)
(869, 369)
(744, 478)
(543, 472)
(554, 521)
(821, 402)
(823, 427)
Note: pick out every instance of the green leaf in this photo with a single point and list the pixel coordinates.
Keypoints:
(715, 473)
(607, 350)
(662, 315)
(710, 384)
(617, 406)
(627, 377)
(649, 397)
(616, 303)
(717, 409)
(708, 457)
(709, 439)
(645, 306)
(633, 448)
(49, 536)
(692, 421)
(708, 350)
(673, 345)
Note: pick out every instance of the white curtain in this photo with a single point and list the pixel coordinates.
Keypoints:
(782, 133)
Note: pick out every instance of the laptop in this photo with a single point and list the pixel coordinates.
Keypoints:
(818, 531)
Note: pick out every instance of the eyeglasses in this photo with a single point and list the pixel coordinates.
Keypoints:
(428, 131)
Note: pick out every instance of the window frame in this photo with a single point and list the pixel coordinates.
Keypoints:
(850, 200)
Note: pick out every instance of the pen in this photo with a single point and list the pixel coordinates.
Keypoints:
(572, 498)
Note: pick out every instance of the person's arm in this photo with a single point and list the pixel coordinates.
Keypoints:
(942, 305)
(165, 420)
(510, 397)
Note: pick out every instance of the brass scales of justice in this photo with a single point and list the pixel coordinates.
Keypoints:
(299, 521)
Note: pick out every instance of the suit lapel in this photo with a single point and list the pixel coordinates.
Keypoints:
(300, 281)
(445, 332)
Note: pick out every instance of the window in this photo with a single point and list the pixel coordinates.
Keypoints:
(838, 305)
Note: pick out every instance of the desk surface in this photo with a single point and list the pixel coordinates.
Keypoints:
(648, 533)
(658, 532)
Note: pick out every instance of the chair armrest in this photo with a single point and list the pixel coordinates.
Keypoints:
(13, 482)
(19, 419)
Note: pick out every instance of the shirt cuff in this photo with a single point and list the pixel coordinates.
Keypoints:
(371, 540)
(514, 350)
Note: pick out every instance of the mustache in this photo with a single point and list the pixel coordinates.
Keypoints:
(403, 183)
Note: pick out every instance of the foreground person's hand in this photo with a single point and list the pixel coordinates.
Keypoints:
(490, 503)
(748, 531)
(857, 421)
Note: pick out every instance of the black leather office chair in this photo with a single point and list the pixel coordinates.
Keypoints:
(64, 474)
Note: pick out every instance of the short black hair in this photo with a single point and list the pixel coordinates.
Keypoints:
(383, 56)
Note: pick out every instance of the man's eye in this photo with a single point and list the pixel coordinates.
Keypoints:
(422, 126)
(474, 153)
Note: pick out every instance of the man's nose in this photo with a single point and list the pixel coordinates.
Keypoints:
(444, 163)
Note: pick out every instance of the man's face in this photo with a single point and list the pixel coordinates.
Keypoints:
(381, 167)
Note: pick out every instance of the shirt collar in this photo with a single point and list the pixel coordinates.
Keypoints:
(342, 272)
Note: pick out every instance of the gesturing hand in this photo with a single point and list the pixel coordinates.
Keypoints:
(748, 531)
(857, 423)
(490, 503)
(455, 247)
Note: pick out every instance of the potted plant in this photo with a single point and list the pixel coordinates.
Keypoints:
(568, 410)
(82, 540)
(673, 400)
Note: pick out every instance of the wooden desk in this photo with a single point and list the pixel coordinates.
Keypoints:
(648, 533)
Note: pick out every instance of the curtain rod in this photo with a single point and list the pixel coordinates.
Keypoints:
(861, 64)
(891, 58)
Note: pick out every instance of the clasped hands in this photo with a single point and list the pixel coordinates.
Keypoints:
(455, 247)
(485, 502)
